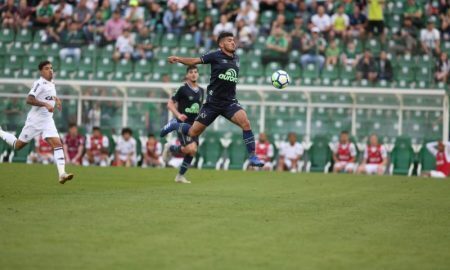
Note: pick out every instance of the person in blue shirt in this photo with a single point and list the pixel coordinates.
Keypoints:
(221, 95)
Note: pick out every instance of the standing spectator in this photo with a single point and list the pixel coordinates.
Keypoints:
(313, 48)
(375, 158)
(376, 18)
(332, 53)
(340, 22)
(321, 20)
(276, 48)
(65, 9)
(430, 39)
(204, 35)
(114, 27)
(365, 68)
(344, 154)
(222, 26)
(357, 23)
(244, 35)
(124, 46)
(43, 152)
(173, 20)
(249, 15)
(134, 15)
(350, 57)
(96, 149)
(44, 14)
(23, 16)
(8, 14)
(72, 40)
(82, 13)
(442, 68)
(95, 29)
(296, 34)
(155, 15)
(264, 151)
(441, 151)
(384, 66)
(290, 154)
(192, 18)
(152, 151)
(126, 149)
(413, 11)
(73, 145)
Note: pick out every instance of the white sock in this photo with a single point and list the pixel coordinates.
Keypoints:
(59, 160)
(8, 138)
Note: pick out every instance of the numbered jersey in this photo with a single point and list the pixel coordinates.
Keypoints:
(43, 91)
(189, 101)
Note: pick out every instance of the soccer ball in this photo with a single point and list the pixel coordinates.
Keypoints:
(280, 79)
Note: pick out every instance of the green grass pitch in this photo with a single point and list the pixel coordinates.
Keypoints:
(117, 218)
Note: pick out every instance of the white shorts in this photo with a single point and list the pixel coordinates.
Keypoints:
(437, 174)
(373, 168)
(288, 163)
(347, 166)
(47, 129)
(124, 158)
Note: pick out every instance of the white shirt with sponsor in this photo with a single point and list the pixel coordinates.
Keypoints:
(289, 151)
(43, 91)
(124, 147)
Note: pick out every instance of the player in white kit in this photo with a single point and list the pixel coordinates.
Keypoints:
(42, 97)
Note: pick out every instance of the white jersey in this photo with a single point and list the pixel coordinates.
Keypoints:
(124, 147)
(43, 91)
(289, 151)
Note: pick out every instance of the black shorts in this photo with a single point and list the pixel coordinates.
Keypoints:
(210, 111)
(375, 27)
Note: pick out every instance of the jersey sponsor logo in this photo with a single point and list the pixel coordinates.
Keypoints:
(230, 75)
(49, 98)
(195, 108)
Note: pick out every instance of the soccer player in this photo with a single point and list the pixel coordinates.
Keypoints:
(441, 151)
(221, 95)
(290, 153)
(344, 154)
(264, 151)
(96, 149)
(185, 105)
(375, 158)
(126, 149)
(73, 145)
(42, 97)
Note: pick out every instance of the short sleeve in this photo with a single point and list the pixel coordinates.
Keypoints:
(352, 150)
(208, 58)
(88, 143)
(299, 149)
(105, 142)
(366, 152)
(35, 89)
(176, 95)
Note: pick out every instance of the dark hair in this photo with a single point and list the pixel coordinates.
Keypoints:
(96, 128)
(189, 68)
(223, 35)
(344, 132)
(127, 130)
(43, 64)
(151, 135)
(71, 125)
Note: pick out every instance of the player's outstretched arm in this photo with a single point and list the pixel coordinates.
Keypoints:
(184, 60)
(31, 100)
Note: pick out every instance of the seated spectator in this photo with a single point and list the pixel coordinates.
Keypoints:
(154, 18)
(95, 29)
(406, 39)
(280, 21)
(441, 151)
(282, 9)
(244, 35)
(445, 29)
(43, 152)
(44, 14)
(375, 25)
(230, 9)
(114, 27)
(24, 13)
(344, 154)
(106, 10)
(430, 39)
(313, 47)
(384, 67)
(375, 158)
(144, 48)
(8, 14)
(442, 68)
(173, 20)
(321, 20)
(125, 149)
(204, 36)
(152, 151)
(414, 11)
(72, 40)
(82, 14)
(73, 146)
(264, 151)
(339, 22)
(296, 34)
(332, 53)
(290, 154)
(357, 23)
(303, 11)
(65, 9)
(134, 15)
(96, 149)
(192, 18)
(124, 46)
(181, 4)
(223, 26)
(250, 15)
(276, 48)
(365, 68)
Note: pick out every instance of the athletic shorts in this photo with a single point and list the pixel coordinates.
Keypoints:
(346, 166)
(373, 168)
(32, 130)
(375, 27)
(437, 174)
(209, 112)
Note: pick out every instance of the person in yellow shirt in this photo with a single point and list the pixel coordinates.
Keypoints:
(340, 22)
(375, 17)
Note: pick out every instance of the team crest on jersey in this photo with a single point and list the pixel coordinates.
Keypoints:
(230, 75)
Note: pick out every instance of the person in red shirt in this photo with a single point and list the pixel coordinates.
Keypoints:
(43, 152)
(441, 151)
(375, 158)
(152, 151)
(73, 145)
(264, 151)
(96, 149)
(344, 154)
